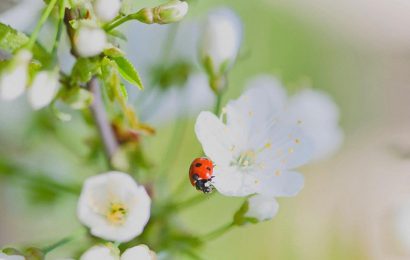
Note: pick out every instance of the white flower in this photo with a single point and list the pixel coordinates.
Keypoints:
(221, 38)
(100, 252)
(261, 207)
(43, 89)
(114, 206)
(10, 257)
(13, 78)
(106, 10)
(140, 252)
(317, 112)
(171, 12)
(254, 151)
(90, 41)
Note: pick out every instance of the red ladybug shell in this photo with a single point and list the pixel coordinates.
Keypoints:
(203, 167)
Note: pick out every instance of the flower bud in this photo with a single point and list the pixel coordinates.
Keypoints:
(14, 77)
(171, 12)
(106, 10)
(261, 207)
(90, 41)
(43, 89)
(221, 41)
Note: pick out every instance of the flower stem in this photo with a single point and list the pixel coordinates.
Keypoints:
(218, 232)
(101, 120)
(62, 242)
(59, 29)
(218, 103)
(40, 23)
(120, 20)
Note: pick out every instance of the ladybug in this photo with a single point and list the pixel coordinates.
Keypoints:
(200, 174)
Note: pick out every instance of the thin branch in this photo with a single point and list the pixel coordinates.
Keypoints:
(101, 120)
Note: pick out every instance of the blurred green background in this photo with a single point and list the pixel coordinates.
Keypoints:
(357, 51)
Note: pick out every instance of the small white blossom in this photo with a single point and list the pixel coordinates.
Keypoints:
(100, 252)
(262, 208)
(13, 78)
(10, 257)
(90, 41)
(106, 10)
(317, 113)
(140, 252)
(114, 206)
(254, 151)
(221, 38)
(43, 89)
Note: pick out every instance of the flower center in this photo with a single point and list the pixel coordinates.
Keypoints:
(116, 213)
(245, 160)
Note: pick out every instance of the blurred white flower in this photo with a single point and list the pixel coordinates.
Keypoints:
(187, 91)
(90, 41)
(114, 206)
(221, 39)
(140, 252)
(317, 111)
(14, 77)
(43, 89)
(254, 151)
(10, 257)
(262, 208)
(101, 252)
(106, 10)
(401, 227)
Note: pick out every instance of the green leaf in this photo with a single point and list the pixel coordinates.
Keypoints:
(84, 69)
(11, 40)
(128, 71)
(124, 91)
(110, 78)
(78, 98)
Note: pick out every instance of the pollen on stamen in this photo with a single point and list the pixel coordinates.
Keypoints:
(284, 161)
(250, 113)
(299, 122)
(297, 140)
(291, 150)
(278, 173)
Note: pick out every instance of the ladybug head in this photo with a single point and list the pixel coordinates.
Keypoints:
(204, 185)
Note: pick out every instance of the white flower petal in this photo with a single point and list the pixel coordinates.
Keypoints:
(13, 79)
(100, 193)
(10, 257)
(262, 207)
(43, 89)
(214, 137)
(229, 182)
(106, 10)
(222, 37)
(320, 118)
(100, 253)
(90, 41)
(140, 252)
(280, 184)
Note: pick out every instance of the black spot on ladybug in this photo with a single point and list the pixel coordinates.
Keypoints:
(198, 164)
(195, 176)
(208, 168)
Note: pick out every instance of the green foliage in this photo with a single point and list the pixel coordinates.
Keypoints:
(174, 75)
(12, 40)
(240, 219)
(84, 69)
(128, 71)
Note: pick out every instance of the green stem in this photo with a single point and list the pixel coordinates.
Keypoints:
(218, 232)
(218, 103)
(120, 20)
(59, 29)
(40, 23)
(62, 242)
